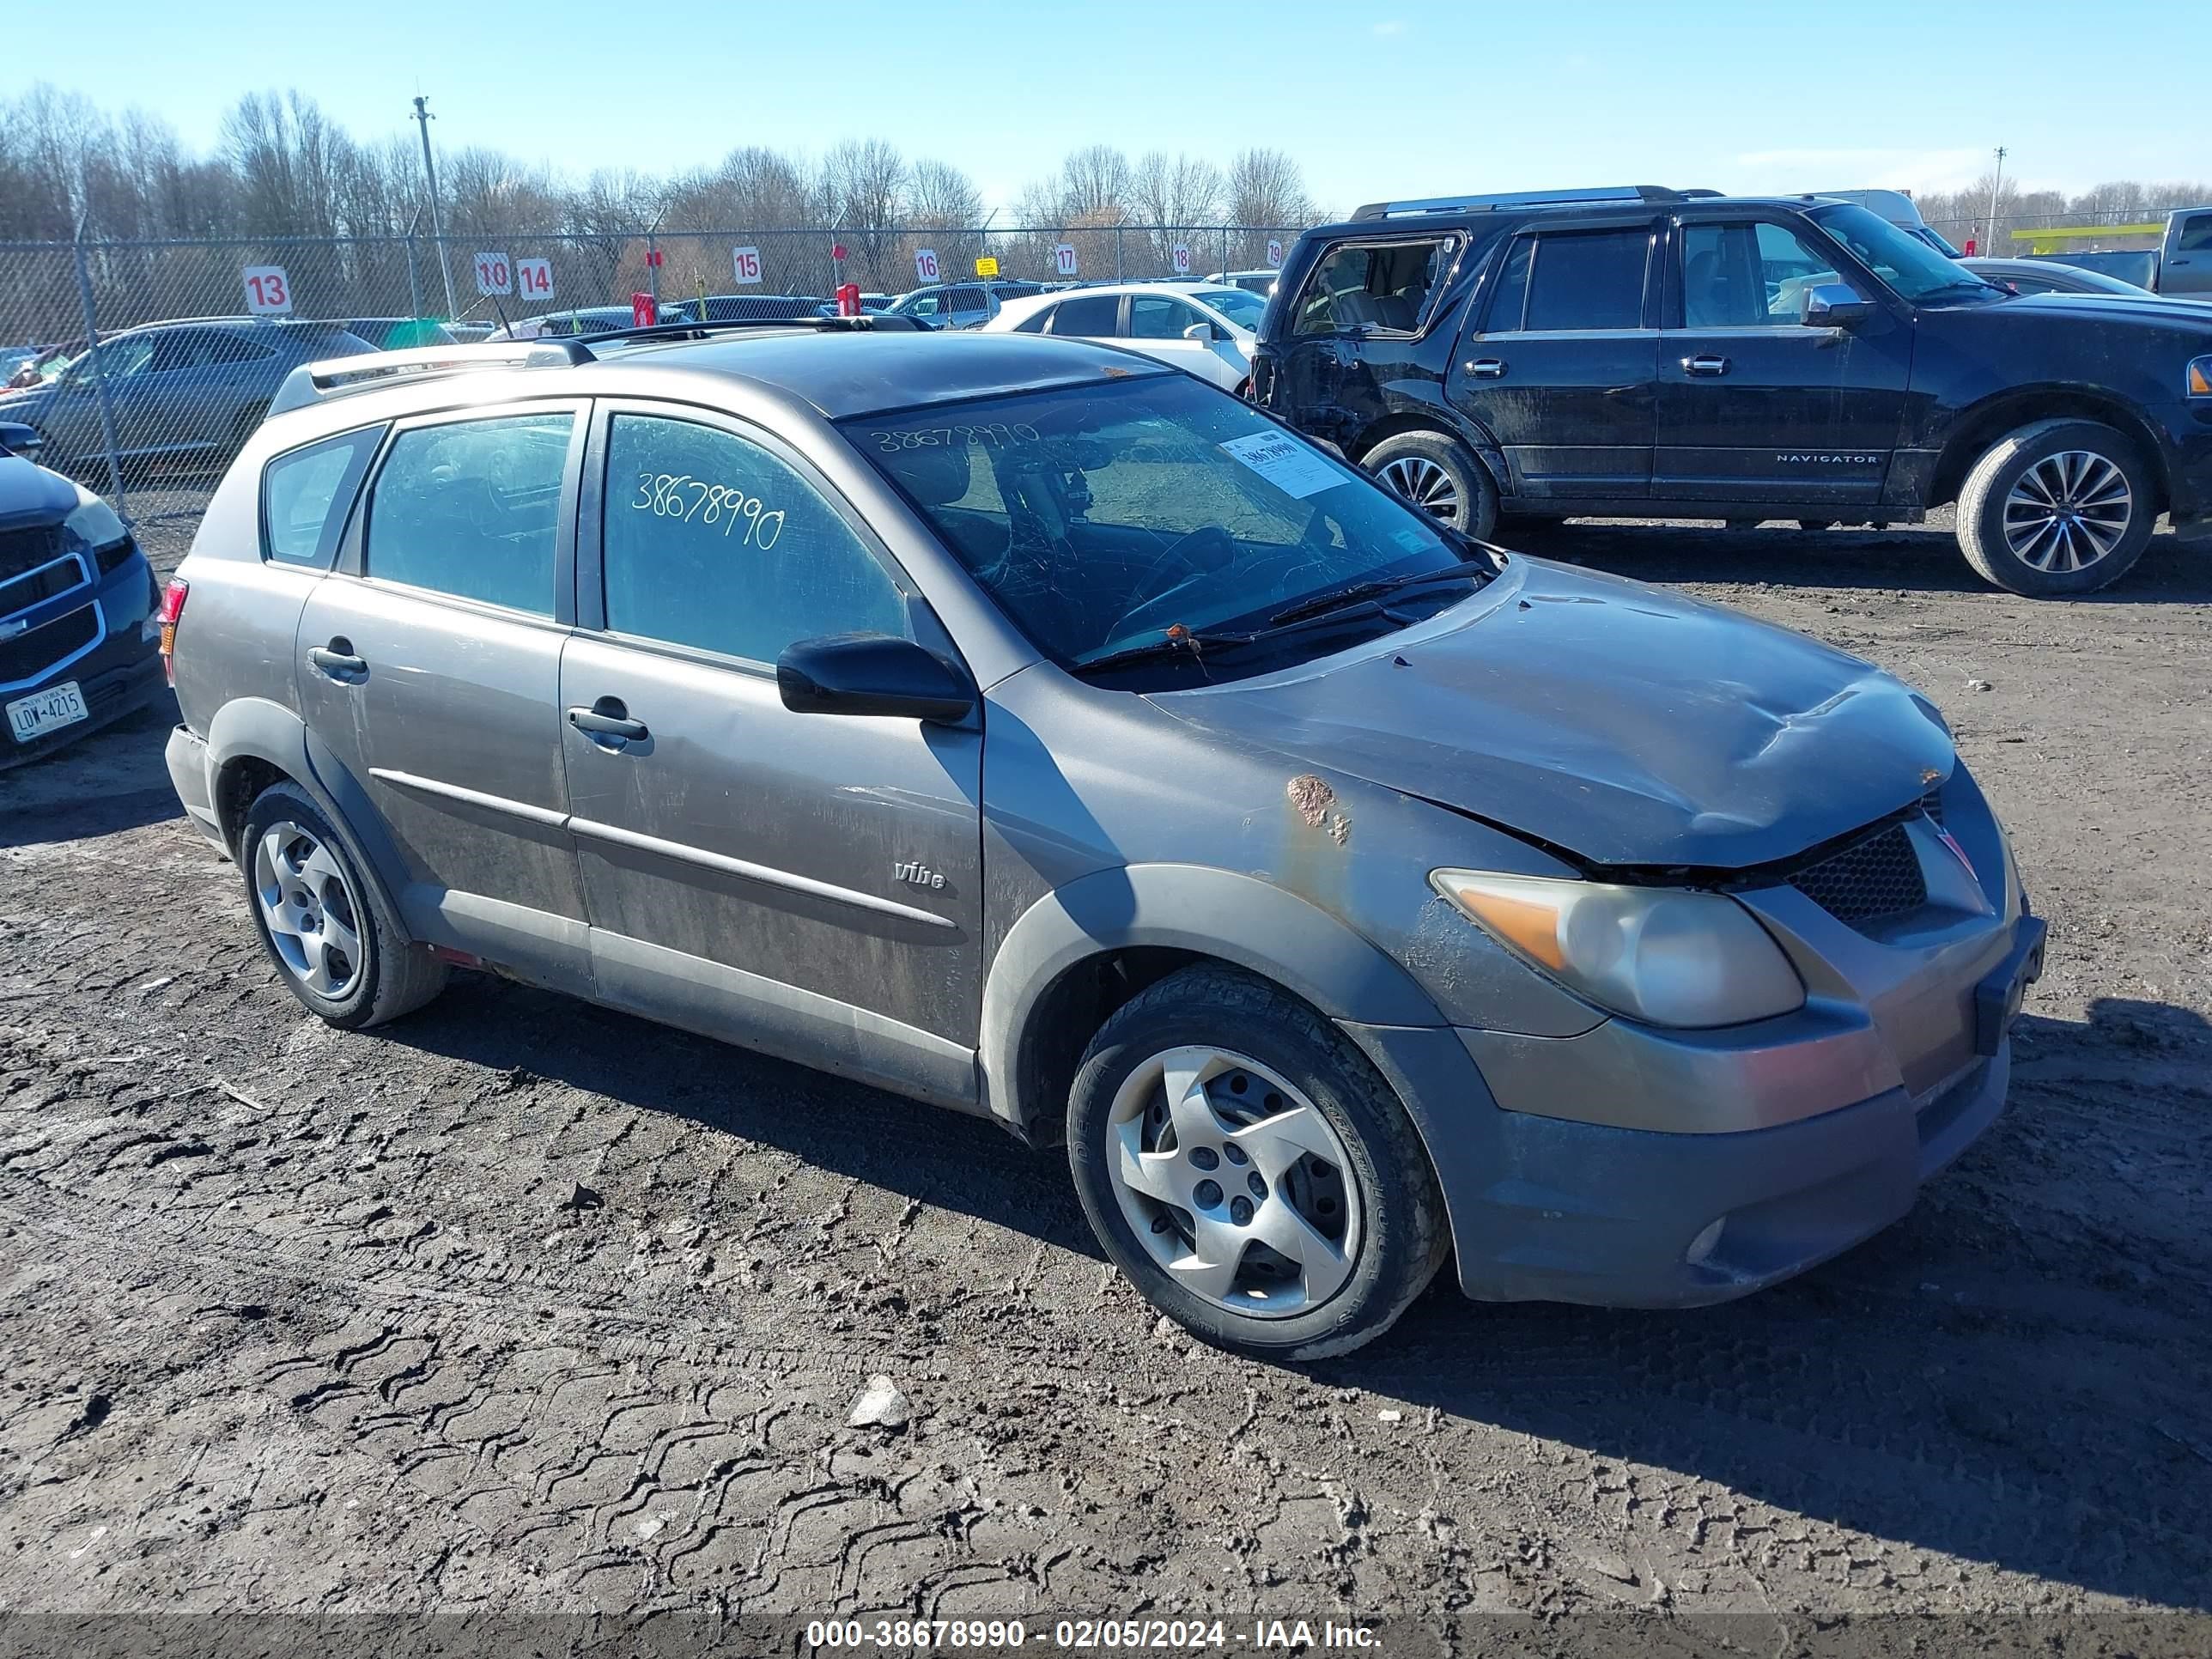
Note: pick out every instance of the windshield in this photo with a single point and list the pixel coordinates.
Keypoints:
(1908, 264)
(1243, 309)
(1101, 517)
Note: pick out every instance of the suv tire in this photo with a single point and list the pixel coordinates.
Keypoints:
(2099, 488)
(1340, 1178)
(337, 945)
(1440, 475)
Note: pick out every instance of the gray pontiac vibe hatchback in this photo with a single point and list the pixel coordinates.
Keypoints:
(1031, 729)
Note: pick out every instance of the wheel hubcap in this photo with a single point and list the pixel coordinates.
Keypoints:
(1425, 484)
(308, 908)
(2067, 510)
(1234, 1183)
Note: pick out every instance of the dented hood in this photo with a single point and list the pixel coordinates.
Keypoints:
(1619, 722)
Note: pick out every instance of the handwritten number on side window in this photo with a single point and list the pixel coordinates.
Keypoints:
(680, 496)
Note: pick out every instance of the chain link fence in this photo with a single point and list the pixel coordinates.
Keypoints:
(153, 416)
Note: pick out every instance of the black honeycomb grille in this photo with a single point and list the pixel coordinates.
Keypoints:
(1869, 880)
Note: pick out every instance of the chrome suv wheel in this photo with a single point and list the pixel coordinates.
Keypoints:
(2057, 507)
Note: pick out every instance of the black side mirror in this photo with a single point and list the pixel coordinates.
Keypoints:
(872, 674)
(1835, 304)
(17, 439)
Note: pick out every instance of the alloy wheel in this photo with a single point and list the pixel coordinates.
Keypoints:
(309, 908)
(2067, 510)
(1425, 484)
(1233, 1181)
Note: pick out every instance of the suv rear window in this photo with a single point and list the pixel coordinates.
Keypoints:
(306, 495)
(1384, 285)
(1575, 280)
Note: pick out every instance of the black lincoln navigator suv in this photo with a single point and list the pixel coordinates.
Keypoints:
(1641, 352)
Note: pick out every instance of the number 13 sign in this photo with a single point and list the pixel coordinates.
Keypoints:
(267, 292)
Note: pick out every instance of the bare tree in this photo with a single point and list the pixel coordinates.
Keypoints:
(940, 195)
(1094, 185)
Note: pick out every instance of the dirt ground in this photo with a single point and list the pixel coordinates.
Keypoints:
(518, 1306)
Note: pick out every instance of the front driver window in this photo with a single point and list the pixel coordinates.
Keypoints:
(1747, 276)
(1154, 317)
(711, 541)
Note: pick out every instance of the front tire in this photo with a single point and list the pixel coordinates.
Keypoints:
(2056, 508)
(1249, 1172)
(336, 942)
(1441, 476)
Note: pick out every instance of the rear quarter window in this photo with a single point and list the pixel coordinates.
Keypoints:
(306, 495)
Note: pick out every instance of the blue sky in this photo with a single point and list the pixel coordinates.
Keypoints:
(1403, 98)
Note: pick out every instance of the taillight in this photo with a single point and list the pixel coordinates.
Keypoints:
(173, 607)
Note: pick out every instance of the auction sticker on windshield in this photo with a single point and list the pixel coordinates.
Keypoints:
(1285, 462)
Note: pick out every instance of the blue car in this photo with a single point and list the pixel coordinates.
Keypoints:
(80, 611)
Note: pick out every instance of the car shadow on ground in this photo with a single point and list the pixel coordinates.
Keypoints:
(1912, 560)
(110, 780)
(1861, 1392)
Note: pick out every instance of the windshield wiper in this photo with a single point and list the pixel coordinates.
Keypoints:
(1184, 644)
(1335, 599)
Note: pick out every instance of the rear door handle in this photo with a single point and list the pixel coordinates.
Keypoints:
(1487, 368)
(1704, 365)
(608, 718)
(338, 661)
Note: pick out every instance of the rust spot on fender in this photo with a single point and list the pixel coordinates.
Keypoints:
(1311, 796)
(1340, 828)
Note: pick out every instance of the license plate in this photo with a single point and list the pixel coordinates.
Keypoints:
(45, 711)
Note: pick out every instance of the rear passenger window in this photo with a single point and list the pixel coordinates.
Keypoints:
(1589, 279)
(710, 541)
(1384, 285)
(1098, 317)
(470, 508)
(305, 496)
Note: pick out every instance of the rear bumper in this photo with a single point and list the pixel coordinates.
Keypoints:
(187, 758)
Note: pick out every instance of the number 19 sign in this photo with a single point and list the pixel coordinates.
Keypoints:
(267, 292)
(924, 265)
(493, 274)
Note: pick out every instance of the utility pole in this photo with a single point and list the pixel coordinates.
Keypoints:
(437, 233)
(1995, 185)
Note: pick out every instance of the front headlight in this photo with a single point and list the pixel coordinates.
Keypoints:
(1663, 955)
(95, 523)
(2199, 377)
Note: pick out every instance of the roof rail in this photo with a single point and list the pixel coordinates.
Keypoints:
(370, 371)
(335, 377)
(1596, 196)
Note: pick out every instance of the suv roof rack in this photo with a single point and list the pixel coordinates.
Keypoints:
(1599, 194)
(370, 371)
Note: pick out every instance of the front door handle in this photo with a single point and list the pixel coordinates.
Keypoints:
(337, 660)
(607, 719)
(1708, 366)
(1487, 368)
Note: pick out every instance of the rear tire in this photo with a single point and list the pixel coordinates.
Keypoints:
(1441, 476)
(336, 942)
(1214, 1116)
(2056, 508)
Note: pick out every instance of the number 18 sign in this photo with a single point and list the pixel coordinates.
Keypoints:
(267, 292)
